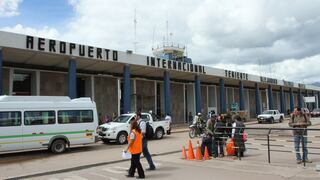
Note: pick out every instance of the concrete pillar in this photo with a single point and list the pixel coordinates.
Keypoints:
(241, 95)
(197, 93)
(72, 79)
(258, 108)
(223, 108)
(126, 89)
(282, 104)
(1, 62)
(270, 97)
(291, 100)
(167, 93)
(299, 98)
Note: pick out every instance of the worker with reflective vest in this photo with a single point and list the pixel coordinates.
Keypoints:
(135, 148)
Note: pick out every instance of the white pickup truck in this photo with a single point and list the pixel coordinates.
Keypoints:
(270, 116)
(119, 128)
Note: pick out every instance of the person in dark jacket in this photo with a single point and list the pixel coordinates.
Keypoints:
(219, 136)
(228, 121)
(207, 139)
(237, 135)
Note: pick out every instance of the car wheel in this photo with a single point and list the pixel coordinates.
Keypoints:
(58, 146)
(192, 133)
(272, 120)
(105, 141)
(281, 119)
(122, 138)
(159, 133)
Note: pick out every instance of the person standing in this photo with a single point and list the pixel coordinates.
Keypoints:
(145, 151)
(299, 120)
(135, 148)
(220, 135)
(208, 139)
(168, 118)
(237, 135)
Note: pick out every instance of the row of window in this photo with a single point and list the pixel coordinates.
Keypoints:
(13, 118)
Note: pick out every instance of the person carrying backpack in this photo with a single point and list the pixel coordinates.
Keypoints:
(145, 131)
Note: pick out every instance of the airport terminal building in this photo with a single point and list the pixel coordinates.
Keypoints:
(123, 81)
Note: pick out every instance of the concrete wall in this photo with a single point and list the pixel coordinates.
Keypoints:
(53, 84)
(106, 95)
(252, 103)
(190, 99)
(264, 104)
(204, 101)
(177, 100)
(145, 94)
(5, 81)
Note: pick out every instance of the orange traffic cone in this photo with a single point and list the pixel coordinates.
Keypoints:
(206, 154)
(190, 151)
(198, 152)
(184, 153)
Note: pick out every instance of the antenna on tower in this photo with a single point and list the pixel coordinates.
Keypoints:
(135, 31)
(167, 29)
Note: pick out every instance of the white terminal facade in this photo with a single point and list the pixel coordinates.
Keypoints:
(122, 81)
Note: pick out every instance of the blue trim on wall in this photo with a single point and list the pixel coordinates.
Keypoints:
(1, 75)
(270, 97)
(223, 108)
(241, 95)
(72, 79)
(319, 99)
(258, 106)
(291, 100)
(167, 93)
(126, 89)
(299, 98)
(197, 93)
(282, 104)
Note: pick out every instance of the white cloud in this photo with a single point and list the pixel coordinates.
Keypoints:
(44, 32)
(303, 70)
(9, 8)
(231, 34)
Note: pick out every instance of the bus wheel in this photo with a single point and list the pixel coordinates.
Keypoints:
(58, 146)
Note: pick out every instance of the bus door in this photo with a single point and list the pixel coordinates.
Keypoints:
(10, 131)
(39, 127)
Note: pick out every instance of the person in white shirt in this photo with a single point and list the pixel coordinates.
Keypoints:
(168, 118)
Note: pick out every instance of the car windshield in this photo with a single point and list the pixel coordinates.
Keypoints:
(122, 119)
(267, 112)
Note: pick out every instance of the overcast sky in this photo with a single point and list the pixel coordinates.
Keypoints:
(274, 38)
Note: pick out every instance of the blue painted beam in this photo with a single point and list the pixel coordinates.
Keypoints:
(258, 106)
(291, 100)
(167, 93)
(197, 87)
(299, 98)
(126, 89)
(270, 97)
(282, 104)
(72, 79)
(223, 108)
(241, 95)
(1, 75)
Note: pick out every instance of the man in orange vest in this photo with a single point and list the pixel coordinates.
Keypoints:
(135, 148)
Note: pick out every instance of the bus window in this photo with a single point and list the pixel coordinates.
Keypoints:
(75, 116)
(39, 117)
(10, 118)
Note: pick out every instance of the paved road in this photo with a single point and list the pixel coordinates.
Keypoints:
(20, 164)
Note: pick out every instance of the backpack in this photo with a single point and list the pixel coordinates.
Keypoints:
(149, 130)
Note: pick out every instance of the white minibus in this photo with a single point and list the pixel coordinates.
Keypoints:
(52, 122)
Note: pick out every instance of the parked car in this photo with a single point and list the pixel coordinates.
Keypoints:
(315, 113)
(270, 116)
(119, 128)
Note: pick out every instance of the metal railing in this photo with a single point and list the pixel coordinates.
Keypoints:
(269, 133)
